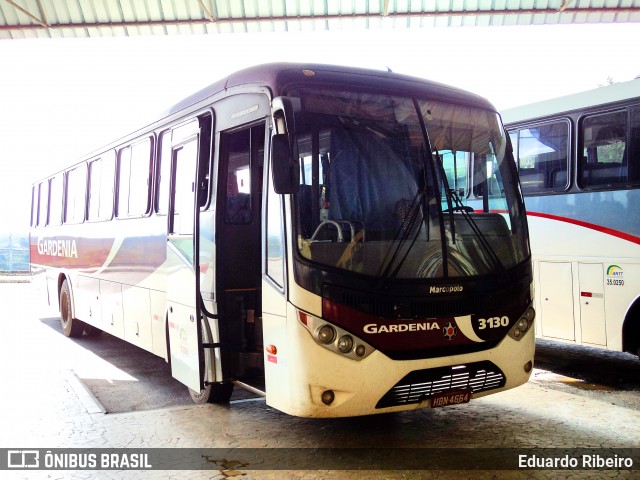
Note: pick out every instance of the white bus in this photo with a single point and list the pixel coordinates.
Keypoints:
(579, 164)
(292, 229)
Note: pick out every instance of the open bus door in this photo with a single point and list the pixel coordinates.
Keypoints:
(182, 281)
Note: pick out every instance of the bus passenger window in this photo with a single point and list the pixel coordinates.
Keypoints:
(603, 162)
(133, 179)
(34, 205)
(44, 203)
(163, 173)
(100, 197)
(634, 145)
(55, 200)
(542, 153)
(76, 195)
(95, 168)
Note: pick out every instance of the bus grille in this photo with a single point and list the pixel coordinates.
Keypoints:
(423, 384)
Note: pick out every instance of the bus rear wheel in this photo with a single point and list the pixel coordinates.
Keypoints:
(72, 327)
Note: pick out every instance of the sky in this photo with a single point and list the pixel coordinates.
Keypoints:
(63, 98)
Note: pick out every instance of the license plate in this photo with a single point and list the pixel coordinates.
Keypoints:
(450, 397)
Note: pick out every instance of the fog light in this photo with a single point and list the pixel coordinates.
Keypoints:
(361, 350)
(516, 332)
(327, 397)
(528, 366)
(345, 344)
(326, 334)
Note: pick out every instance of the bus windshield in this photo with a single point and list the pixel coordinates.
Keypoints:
(385, 181)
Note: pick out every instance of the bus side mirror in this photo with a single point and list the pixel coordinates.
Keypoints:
(284, 155)
(285, 165)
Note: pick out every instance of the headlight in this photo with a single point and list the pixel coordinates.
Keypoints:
(326, 334)
(335, 338)
(345, 343)
(523, 324)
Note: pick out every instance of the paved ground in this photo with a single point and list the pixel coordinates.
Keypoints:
(45, 405)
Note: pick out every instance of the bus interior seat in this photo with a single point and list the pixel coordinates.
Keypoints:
(604, 173)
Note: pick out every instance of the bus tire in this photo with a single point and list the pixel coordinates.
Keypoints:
(216, 392)
(71, 327)
(219, 392)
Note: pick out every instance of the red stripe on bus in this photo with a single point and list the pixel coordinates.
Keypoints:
(609, 231)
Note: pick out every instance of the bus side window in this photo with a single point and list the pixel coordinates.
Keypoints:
(55, 200)
(107, 185)
(95, 168)
(542, 154)
(134, 170)
(163, 173)
(100, 196)
(44, 204)
(185, 158)
(634, 145)
(75, 205)
(604, 160)
(34, 205)
(204, 163)
(275, 239)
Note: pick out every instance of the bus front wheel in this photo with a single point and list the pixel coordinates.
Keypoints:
(216, 392)
(72, 327)
(213, 393)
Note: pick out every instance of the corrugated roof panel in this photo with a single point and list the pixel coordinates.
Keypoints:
(77, 18)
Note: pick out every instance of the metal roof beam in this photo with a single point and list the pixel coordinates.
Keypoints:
(297, 18)
(42, 22)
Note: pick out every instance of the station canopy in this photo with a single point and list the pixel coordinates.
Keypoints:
(106, 18)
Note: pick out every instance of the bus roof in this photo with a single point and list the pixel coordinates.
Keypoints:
(278, 75)
(600, 96)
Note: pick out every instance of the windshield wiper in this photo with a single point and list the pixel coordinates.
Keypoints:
(465, 211)
(454, 204)
(407, 225)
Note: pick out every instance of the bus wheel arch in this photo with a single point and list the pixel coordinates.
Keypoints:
(631, 329)
(71, 326)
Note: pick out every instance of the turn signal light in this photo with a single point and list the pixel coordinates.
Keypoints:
(271, 349)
